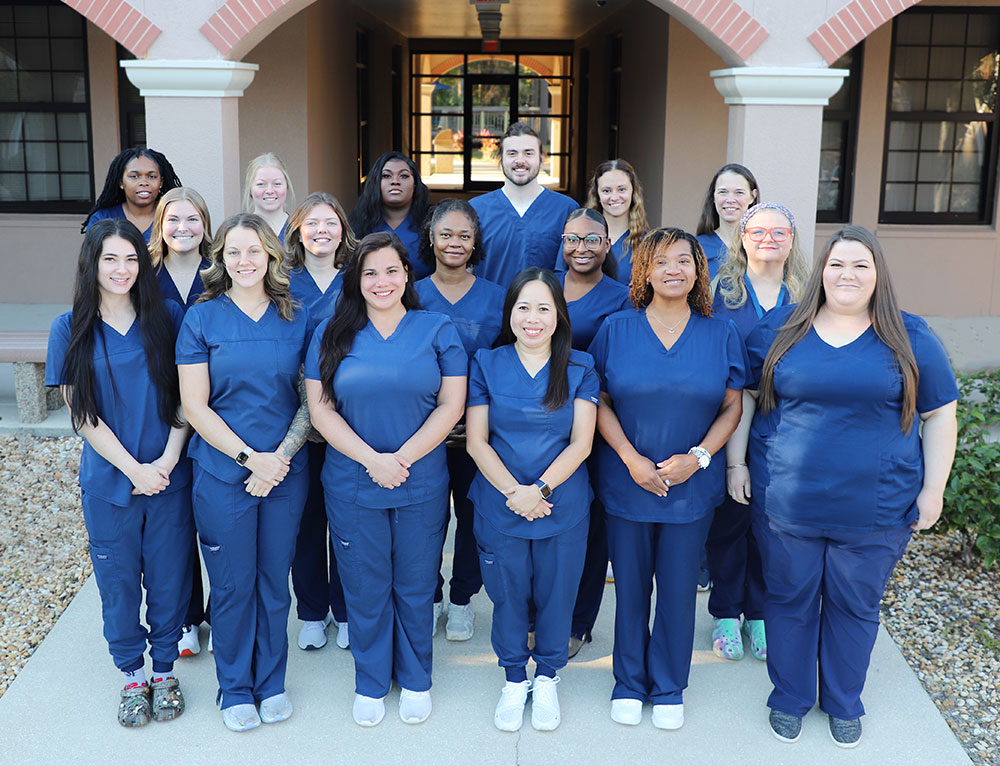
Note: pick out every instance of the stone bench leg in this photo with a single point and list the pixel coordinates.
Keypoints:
(29, 389)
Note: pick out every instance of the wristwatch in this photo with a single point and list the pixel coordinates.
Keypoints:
(543, 489)
(244, 456)
(703, 455)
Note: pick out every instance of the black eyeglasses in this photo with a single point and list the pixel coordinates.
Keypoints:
(591, 241)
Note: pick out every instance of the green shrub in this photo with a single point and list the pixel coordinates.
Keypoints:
(972, 498)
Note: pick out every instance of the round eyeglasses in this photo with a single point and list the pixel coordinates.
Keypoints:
(591, 241)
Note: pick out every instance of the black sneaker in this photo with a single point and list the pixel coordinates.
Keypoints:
(704, 581)
(845, 733)
(785, 727)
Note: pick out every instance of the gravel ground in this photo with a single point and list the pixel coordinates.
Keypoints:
(944, 617)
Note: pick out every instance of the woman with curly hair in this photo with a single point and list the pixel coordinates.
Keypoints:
(615, 191)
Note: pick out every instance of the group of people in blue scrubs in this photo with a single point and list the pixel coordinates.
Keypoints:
(312, 392)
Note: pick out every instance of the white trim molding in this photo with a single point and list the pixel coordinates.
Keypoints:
(789, 86)
(190, 78)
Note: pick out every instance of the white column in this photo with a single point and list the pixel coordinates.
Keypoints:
(775, 128)
(192, 116)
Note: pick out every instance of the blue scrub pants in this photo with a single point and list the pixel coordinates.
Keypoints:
(146, 543)
(388, 561)
(593, 578)
(531, 579)
(823, 592)
(466, 579)
(734, 563)
(196, 612)
(248, 543)
(654, 666)
(315, 579)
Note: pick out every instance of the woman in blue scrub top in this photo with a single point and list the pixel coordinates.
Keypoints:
(395, 200)
(731, 191)
(615, 191)
(135, 181)
(320, 244)
(592, 294)
(671, 382)
(112, 355)
(179, 249)
(767, 268)
(268, 192)
(386, 384)
(452, 244)
(238, 353)
(530, 426)
(841, 472)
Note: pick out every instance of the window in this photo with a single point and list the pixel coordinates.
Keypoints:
(361, 57)
(836, 157)
(397, 98)
(131, 107)
(464, 102)
(941, 132)
(45, 154)
(614, 93)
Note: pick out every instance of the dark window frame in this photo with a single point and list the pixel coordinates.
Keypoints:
(987, 201)
(127, 107)
(847, 165)
(56, 108)
(362, 66)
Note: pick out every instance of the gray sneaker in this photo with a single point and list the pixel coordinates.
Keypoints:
(845, 733)
(785, 727)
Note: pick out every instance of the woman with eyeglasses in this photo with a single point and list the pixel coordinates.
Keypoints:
(765, 268)
(732, 190)
(592, 294)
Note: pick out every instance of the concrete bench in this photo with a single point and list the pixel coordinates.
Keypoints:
(26, 350)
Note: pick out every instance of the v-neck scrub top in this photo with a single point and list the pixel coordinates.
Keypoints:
(321, 305)
(408, 232)
(665, 401)
(621, 251)
(750, 313)
(834, 452)
(477, 314)
(587, 313)
(715, 251)
(385, 388)
(169, 289)
(513, 242)
(127, 401)
(527, 437)
(254, 370)
(115, 211)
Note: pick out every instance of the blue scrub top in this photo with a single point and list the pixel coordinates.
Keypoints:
(283, 232)
(117, 211)
(587, 313)
(715, 251)
(512, 242)
(750, 313)
(621, 250)
(385, 389)
(254, 371)
(409, 234)
(665, 401)
(478, 314)
(321, 305)
(527, 437)
(127, 401)
(169, 289)
(834, 454)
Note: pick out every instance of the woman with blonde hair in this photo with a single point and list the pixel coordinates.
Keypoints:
(238, 354)
(615, 191)
(267, 191)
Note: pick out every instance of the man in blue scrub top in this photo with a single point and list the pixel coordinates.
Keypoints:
(522, 220)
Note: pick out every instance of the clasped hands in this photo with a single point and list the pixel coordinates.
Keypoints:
(267, 471)
(388, 469)
(527, 502)
(658, 478)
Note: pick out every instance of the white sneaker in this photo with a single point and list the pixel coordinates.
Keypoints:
(211, 650)
(414, 707)
(312, 634)
(241, 717)
(189, 645)
(509, 714)
(461, 622)
(544, 703)
(626, 711)
(368, 711)
(668, 716)
(438, 608)
(276, 708)
(343, 637)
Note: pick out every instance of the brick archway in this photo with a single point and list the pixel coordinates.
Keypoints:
(852, 24)
(121, 21)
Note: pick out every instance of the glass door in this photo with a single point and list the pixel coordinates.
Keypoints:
(490, 107)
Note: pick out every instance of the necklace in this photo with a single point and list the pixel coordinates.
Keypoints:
(250, 311)
(671, 328)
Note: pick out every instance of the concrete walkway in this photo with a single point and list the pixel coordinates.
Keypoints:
(49, 717)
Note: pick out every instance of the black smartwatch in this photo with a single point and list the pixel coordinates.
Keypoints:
(244, 456)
